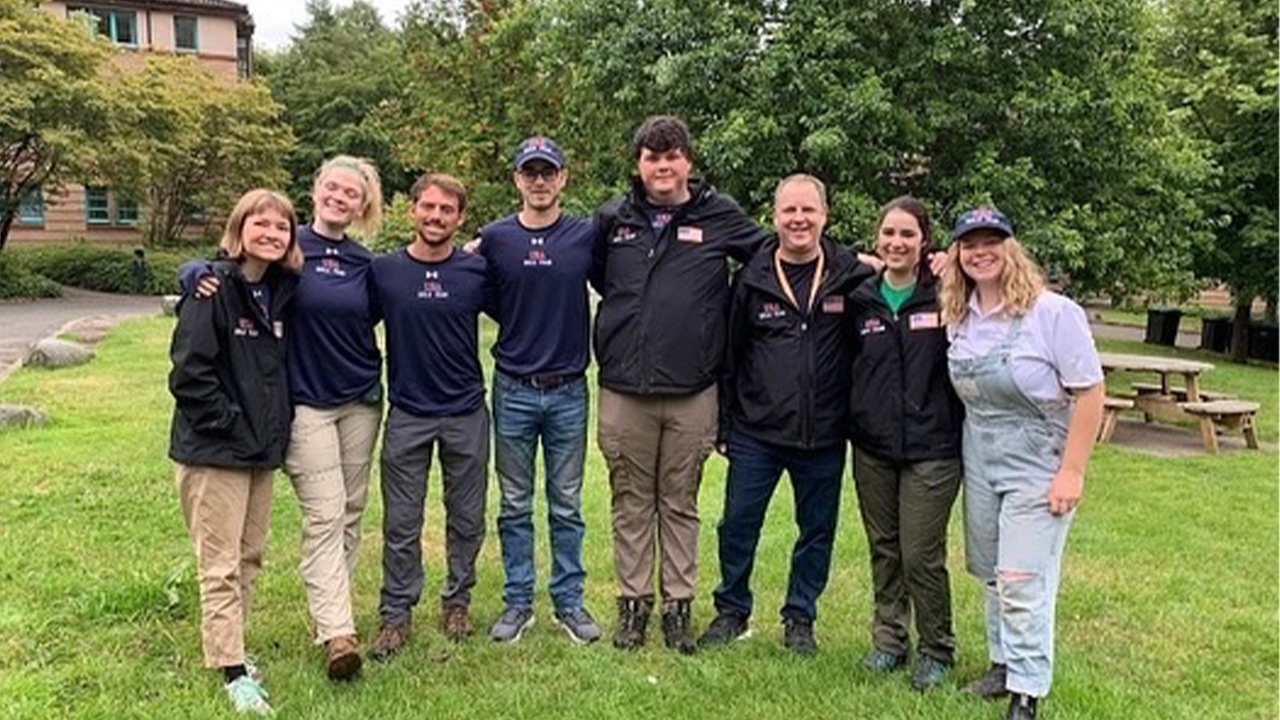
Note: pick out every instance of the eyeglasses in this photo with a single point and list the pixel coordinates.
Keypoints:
(532, 174)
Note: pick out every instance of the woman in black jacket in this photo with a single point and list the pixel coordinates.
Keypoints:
(905, 428)
(231, 423)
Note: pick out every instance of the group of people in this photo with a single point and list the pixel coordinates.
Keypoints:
(934, 366)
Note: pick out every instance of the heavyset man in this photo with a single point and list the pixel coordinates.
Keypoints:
(662, 271)
(431, 297)
(784, 407)
(538, 261)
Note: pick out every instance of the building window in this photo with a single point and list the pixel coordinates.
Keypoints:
(31, 207)
(119, 25)
(97, 206)
(244, 65)
(185, 34)
(126, 211)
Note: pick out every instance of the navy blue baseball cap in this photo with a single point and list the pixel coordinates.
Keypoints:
(981, 218)
(539, 148)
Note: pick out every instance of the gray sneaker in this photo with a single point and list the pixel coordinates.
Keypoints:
(582, 628)
(511, 625)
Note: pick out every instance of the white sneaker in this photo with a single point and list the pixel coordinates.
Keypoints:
(248, 696)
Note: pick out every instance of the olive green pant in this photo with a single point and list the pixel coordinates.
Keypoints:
(905, 508)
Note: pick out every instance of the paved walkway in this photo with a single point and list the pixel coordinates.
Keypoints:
(23, 322)
(1136, 334)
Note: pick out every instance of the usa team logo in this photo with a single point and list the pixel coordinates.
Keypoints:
(623, 234)
(432, 288)
(330, 266)
(245, 327)
(771, 311)
(872, 326)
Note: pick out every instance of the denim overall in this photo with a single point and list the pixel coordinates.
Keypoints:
(1012, 448)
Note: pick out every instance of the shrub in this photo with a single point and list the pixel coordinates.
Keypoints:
(397, 228)
(18, 281)
(106, 269)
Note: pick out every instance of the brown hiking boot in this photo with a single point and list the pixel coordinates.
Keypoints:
(454, 622)
(391, 640)
(344, 657)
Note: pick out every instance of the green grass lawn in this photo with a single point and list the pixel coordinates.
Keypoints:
(1168, 607)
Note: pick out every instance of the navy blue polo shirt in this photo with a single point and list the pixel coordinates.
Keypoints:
(333, 355)
(432, 314)
(539, 276)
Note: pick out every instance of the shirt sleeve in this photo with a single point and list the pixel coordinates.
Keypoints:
(1071, 347)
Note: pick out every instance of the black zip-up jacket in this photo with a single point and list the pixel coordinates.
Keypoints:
(660, 324)
(902, 405)
(787, 378)
(228, 378)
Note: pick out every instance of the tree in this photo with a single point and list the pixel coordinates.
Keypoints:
(57, 108)
(196, 151)
(1221, 55)
(341, 68)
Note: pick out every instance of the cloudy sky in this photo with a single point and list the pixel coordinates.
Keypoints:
(275, 18)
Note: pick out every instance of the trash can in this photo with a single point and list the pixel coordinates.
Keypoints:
(1215, 334)
(1263, 340)
(1162, 326)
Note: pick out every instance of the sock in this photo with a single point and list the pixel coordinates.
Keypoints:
(233, 672)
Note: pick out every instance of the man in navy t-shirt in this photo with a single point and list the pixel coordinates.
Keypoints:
(431, 296)
(539, 260)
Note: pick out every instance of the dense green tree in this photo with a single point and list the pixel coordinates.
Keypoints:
(57, 108)
(342, 68)
(1221, 57)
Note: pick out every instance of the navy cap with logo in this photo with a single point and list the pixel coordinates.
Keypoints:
(981, 218)
(539, 148)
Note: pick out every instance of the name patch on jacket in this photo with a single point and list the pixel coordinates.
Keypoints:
(689, 234)
(833, 305)
(245, 327)
(924, 321)
(872, 326)
(771, 311)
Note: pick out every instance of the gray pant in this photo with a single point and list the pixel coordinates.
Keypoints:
(406, 461)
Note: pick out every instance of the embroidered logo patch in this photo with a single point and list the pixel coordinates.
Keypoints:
(245, 327)
(872, 326)
(924, 321)
(623, 234)
(771, 311)
(833, 305)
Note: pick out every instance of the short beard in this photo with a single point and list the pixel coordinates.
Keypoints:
(434, 243)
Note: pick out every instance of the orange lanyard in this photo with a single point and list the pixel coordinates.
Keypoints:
(786, 284)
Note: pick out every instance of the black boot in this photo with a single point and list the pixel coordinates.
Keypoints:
(677, 631)
(1021, 707)
(633, 622)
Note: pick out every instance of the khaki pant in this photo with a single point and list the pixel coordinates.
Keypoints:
(328, 462)
(655, 447)
(228, 513)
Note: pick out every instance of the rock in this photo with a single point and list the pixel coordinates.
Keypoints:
(21, 416)
(58, 354)
(90, 330)
(169, 304)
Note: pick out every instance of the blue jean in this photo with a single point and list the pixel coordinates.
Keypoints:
(754, 470)
(521, 414)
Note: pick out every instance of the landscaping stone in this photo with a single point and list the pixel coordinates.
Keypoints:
(169, 304)
(52, 353)
(90, 330)
(21, 416)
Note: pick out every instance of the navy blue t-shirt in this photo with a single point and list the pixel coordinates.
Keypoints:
(333, 354)
(540, 277)
(432, 321)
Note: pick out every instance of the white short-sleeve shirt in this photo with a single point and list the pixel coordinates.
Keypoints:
(1053, 352)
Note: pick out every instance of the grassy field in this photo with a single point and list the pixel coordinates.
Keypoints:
(1168, 608)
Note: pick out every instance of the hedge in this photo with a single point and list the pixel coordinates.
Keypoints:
(18, 281)
(106, 269)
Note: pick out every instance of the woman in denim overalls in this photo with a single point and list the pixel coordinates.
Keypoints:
(1022, 360)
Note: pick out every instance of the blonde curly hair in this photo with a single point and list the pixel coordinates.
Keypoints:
(1021, 282)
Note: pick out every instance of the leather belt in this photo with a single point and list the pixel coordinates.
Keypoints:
(545, 382)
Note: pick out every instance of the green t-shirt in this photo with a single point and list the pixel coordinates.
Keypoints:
(893, 296)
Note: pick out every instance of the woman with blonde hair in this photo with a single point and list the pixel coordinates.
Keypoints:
(1023, 362)
(335, 371)
(231, 423)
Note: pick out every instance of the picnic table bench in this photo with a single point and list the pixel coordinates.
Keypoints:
(1227, 414)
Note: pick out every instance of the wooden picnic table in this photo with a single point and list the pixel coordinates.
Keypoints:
(1190, 370)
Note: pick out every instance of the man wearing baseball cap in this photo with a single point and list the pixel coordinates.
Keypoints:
(538, 260)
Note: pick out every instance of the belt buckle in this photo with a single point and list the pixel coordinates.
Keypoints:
(543, 382)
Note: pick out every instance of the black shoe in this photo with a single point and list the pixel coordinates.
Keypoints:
(930, 672)
(991, 685)
(677, 631)
(633, 622)
(883, 662)
(797, 635)
(727, 627)
(1021, 707)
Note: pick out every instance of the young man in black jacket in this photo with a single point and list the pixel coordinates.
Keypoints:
(785, 401)
(661, 267)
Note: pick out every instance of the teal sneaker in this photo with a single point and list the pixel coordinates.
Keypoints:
(929, 673)
(248, 696)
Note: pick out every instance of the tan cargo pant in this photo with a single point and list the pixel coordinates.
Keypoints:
(328, 462)
(655, 447)
(228, 514)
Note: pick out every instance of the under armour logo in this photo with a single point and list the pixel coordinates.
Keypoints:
(537, 241)
(332, 251)
(433, 275)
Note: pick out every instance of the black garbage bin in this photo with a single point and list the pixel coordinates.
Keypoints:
(1162, 326)
(1263, 339)
(1215, 334)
